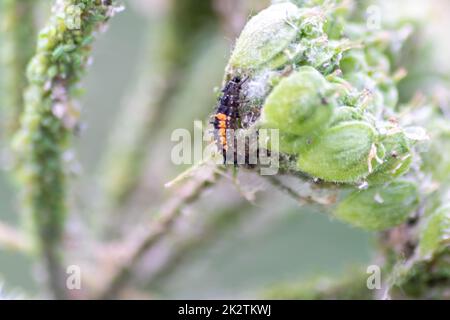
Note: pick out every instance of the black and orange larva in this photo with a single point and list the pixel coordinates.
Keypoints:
(226, 118)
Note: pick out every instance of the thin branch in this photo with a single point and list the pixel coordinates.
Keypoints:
(166, 220)
(224, 220)
(301, 199)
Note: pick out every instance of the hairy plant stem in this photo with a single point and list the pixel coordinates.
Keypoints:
(62, 53)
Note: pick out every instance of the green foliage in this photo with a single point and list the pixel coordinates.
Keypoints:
(62, 53)
(334, 101)
(285, 34)
(427, 273)
(343, 153)
(397, 161)
(255, 48)
(380, 207)
(299, 104)
(312, 111)
(435, 233)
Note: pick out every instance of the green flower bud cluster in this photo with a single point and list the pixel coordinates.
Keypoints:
(333, 99)
(427, 272)
(285, 34)
(62, 53)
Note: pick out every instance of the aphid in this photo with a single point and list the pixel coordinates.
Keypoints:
(226, 118)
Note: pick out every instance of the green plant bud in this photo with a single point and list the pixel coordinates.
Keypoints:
(435, 233)
(299, 104)
(397, 161)
(37, 68)
(292, 144)
(353, 61)
(343, 153)
(345, 114)
(288, 143)
(265, 36)
(379, 208)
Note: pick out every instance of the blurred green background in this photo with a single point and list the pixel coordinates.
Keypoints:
(277, 241)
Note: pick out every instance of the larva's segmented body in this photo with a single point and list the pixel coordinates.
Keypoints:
(226, 118)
